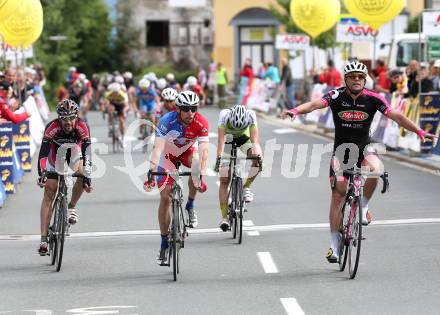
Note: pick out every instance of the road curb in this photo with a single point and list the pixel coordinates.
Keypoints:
(313, 129)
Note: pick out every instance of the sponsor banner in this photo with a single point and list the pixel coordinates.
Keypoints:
(431, 23)
(22, 139)
(2, 194)
(11, 54)
(292, 41)
(6, 157)
(409, 140)
(36, 124)
(429, 118)
(348, 33)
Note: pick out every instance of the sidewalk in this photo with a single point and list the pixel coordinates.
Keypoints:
(430, 162)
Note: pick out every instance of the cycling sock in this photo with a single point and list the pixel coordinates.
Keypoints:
(224, 210)
(44, 238)
(164, 241)
(364, 204)
(189, 204)
(334, 240)
(248, 183)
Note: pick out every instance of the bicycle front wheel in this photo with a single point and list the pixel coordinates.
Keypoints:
(239, 209)
(53, 238)
(61, 233)
(354, 246)
(174, 239)
(343, 244)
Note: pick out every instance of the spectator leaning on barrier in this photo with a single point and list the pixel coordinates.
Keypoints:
(411, 72)
(287, 83)
(436, 76)
(272, 73)
(399, 82)
(7, 114)
(426, 82)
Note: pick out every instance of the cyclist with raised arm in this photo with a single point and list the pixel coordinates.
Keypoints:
(181, 136)
(353, 108)
(117, 100)
(240, 124)
(70, 133)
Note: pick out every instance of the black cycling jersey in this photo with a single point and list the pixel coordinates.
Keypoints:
(353, 118)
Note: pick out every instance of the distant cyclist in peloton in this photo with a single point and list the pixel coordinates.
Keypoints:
(67, 129)
(116, 100)
(168, 103)
(177, 136)
(239, 123)
(147, 100)
(353, 108)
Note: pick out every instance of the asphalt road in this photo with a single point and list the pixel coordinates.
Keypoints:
(109, 263)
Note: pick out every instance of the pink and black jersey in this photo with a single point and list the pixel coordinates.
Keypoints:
(55, 136)
(353, 118)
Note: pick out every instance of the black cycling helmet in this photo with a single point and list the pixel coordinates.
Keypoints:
(67, 107)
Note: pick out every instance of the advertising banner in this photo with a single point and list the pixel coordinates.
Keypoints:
(6, 157)
(429, 118)
(348, 33)
(431, 23)
(292, 41)
(22, 139)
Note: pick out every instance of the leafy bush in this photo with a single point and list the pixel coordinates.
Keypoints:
(162, 70)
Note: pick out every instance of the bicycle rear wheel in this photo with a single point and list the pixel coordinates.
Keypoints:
(354, 246)
(343, 244)
(61, 232)
(53, 241)
(239, 209)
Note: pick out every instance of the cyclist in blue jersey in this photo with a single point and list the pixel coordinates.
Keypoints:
(147, 99)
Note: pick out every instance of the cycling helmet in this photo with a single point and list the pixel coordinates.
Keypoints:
(114, 87)
(82, 77)
(128, 75)
(355, 66)
(170, 77)
(169, 94)
(67, 107)
(151, 76)
(161, 83)
(119, 79)
(239, 117)
(144, 84)
(192, 81)
(187, 98)
(72, 69)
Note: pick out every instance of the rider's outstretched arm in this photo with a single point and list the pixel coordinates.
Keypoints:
(306, 108)
(404, 122)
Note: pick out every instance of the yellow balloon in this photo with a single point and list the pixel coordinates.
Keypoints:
(375, 13)
(313, 16)
(7, 8)
(25, 25)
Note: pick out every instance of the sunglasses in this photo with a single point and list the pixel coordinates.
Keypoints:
(356, 76)
(68, 118)
(186, 109)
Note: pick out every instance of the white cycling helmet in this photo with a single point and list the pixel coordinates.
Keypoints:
(169, 94)
(355, 66)
(239, 117)
(161, 83)
(187, 98)
(151, 76)
(119, 79)
(170, 77)
(114, 87)
(128, 75)
(82, 77)
(144, 84)
(192, 81)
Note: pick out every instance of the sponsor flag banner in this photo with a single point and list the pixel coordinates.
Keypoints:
(409, 140)
(22, 139)
(292, 41)
(348, 33)
(431, 23)
(6, 157)
(429, 118)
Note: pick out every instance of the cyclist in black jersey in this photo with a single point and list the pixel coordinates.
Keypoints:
(353, 108)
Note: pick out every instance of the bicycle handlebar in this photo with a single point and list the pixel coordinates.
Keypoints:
(384, 176)
(171, 172)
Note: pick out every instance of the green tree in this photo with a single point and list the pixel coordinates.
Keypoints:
(282, 14)
(87, 28)
(413, 25)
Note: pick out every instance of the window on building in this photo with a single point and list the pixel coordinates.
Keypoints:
(158, 34)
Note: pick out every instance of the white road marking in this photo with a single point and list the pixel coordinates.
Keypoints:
(291, 306)
(283, 131)
(253, 233)
(248, 223)
(260, 228)
(267, 262)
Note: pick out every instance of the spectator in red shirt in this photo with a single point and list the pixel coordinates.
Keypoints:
(7, 114)
(193, 85)
(332, 77)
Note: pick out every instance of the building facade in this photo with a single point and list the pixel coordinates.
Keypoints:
(244, 29)
(177, 32)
